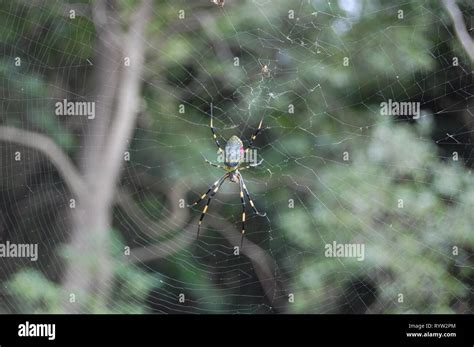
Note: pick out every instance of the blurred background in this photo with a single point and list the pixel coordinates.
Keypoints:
(104, 197)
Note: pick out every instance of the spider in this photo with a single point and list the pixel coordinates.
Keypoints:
(265, 70)
(218, 2)
(234, 155)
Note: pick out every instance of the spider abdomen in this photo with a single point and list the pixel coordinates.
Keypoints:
(234, 152)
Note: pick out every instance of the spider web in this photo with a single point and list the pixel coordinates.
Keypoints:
(335, 169)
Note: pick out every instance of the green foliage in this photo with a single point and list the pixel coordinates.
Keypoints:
(33, 292)
(407, 249)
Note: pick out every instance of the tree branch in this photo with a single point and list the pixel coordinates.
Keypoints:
(165, 248)
(264, 265)
(175, 220)
(92, 218)
(48, 147)
(128, 96)
(460, 27)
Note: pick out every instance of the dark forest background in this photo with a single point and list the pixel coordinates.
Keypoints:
(103, 197)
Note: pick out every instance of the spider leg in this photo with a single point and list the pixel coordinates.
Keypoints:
(215, 184)
(256, 164)
(242, 201)
(250, 199)
(215, 165)
(214, 134)
(250, 165)
(203, 214)
(254, 136)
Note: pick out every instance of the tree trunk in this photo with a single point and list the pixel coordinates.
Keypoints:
(89, 271)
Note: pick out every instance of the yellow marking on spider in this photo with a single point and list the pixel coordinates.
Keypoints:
(241, 194)
(205, 209)
(251, 203)
(243, 217)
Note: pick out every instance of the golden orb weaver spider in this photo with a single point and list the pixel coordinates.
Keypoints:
(234, 155)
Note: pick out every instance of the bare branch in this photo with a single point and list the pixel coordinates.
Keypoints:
(460, 27)
(166, 248)
(128, 100)
(56, 155)
(175, 220)
(264, 265)
(104, 84)
(92, 219)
